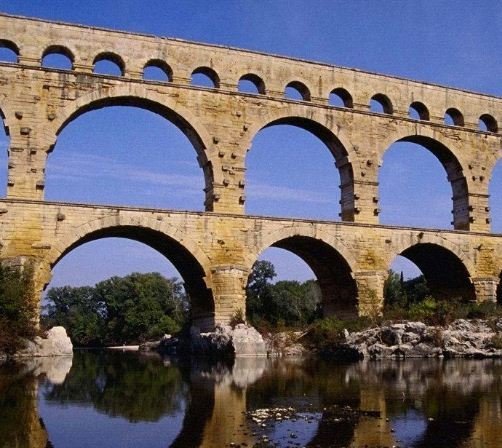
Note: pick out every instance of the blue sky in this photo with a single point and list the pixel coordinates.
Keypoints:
(456, 43)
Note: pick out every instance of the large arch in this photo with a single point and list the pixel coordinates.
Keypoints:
(331, 267)
(141, 98)
(335, 146)
(454, 172)
(495, 190)
(446, 271)
(190, 262)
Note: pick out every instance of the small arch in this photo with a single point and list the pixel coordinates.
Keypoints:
(59, 57)
(333, 273)
(251, 83)
(340, 97)
(446, 275)
(487, 123)
(205, 77)
(381, 104)
(157, 70)
(298, 91)
(9, 51)
(418, 111)
(453, 117)
(108, 63)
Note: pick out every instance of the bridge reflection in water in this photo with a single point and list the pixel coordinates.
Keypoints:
(128, 400)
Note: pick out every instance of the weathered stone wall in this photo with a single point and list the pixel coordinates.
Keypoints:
(214, 251)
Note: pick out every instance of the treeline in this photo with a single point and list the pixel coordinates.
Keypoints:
(120, 310)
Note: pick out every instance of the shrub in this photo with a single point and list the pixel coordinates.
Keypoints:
(18, 312)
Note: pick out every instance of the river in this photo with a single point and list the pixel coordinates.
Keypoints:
(109, 399)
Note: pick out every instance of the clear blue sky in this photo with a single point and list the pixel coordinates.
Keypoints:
(456, 43)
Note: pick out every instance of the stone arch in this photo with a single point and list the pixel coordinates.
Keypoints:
(489, 123)
(160, 64)
(453, 168)
(445, 267)
(301, 88)
(336, 144)
(384, 102)
(256, 80)
(187, 258)
(142, 98)
(60, 50)
(329, 259)
(421, 110)
(209, 73)
(12, 46)
(112, 57)
(453, 117)
(344, 96)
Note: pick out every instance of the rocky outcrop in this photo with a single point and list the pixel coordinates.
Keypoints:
(241, 340)
(55, 343)
(224, 341)
(462, 338)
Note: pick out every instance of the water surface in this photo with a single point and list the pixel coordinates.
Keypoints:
(108, 399)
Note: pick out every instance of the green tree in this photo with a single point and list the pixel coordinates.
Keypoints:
(18, 310)
(78, 310)
(119, 310)
(258, 287)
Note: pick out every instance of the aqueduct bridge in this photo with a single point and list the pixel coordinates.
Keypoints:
(215, 250)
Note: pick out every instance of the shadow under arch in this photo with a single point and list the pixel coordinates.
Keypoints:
(194, 133)
(187, 264)
(446, 275)
(333, 273)
(337, 150)
(455, 176)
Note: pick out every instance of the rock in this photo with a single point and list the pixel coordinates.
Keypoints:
(56, 343)
(463, 338)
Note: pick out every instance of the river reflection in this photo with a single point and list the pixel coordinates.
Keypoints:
(107, 399)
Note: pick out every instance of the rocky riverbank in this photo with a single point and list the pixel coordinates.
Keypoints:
(54, 343)
(462, 338)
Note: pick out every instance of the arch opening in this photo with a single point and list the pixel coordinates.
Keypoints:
(251, 83)
(446, 275)
(106, 157)
(307, 185)
(184, 263)
(404, 167)
(418, 111)
(157, 70)
(453, 117)
(109, 64)
(487, 123)
(381, 104)
(297, 91)
(9, 52)
(495, 191)
(327, 289)
(205, 77)
(4, 156)
(58, 57)
(340, 97)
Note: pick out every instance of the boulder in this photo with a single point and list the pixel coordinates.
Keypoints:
(55, 343)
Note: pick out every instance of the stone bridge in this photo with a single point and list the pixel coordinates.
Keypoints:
(214, 250)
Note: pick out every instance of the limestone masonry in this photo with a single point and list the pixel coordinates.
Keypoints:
(215, 250)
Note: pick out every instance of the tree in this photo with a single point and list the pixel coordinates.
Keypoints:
(18, 310)
(119, 310)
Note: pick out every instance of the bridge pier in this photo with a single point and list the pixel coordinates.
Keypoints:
(486, 289)
(229, 293)
(370, 286)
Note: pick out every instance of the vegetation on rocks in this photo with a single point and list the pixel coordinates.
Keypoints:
(17, 310)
